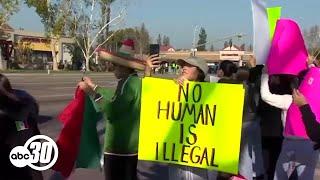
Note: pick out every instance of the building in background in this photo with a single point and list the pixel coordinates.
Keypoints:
(167, 49)
(232, 53)
(32, 47)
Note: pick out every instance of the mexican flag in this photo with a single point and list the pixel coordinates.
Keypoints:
(78, 142)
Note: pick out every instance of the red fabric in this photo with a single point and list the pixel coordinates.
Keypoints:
(238, 177)
(128, 42)
(69, 139)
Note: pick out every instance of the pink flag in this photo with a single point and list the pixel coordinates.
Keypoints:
(288, 53)
(310, 88)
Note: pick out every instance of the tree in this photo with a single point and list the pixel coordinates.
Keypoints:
(54, 16)
(312, 38)
(142, 39)
(140, 35)
(23, 52)
(211, 47)
(159, 40)
(86, 24)
(119, 36)
(230, 43)
(106, 12)
(166, 41)
(202, 40)
(243, 47)
(7, 9)
(250, 48)
(226, 44)
(78, 19)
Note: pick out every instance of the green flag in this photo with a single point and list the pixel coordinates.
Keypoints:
(90, 147)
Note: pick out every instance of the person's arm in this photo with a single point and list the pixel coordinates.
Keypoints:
(310, 122)
(100, 96)
(124, 98)
(308, 117)
(280, 101)
(113, 104)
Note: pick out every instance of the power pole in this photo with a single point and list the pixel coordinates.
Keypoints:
(194, 46)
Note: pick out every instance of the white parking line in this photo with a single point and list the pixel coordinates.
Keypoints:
(62, 83)
(57, 88)
(55, 95)
(43, 83)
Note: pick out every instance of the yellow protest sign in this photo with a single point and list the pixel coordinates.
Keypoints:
(196, 125)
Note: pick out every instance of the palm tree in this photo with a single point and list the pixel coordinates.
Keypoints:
(106, 11)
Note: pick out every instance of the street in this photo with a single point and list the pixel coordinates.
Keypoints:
(53, 92)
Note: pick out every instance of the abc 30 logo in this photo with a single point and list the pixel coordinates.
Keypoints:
(38, 150)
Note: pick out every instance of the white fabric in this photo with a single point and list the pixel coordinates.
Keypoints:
(282, 102)
(126, 49)
(214, 79)
(261, 38)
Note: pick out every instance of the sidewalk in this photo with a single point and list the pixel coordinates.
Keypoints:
(84, 174)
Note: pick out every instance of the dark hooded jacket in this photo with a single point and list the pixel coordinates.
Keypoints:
(11, 135)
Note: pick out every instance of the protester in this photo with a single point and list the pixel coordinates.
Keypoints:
(280, 101)
(308, 117)
(270, 118)
(255, 135)
(193, 69)
(122, 114)
(226, 72)
(251, 163)
(250, 150)
(297, 154)
(19, 115)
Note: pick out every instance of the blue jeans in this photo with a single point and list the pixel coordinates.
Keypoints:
(296, 154)
(251, 161)
(177, 172)
(147, 170)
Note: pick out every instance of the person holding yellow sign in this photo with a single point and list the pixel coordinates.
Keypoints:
(193, 69)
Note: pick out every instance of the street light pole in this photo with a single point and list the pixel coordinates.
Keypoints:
(225, 38)
(194, 47)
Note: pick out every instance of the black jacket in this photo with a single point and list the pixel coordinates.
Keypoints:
(270, 117)
(311, 124)
(10, 136)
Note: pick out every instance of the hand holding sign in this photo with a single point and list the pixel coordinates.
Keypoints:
(180, 80)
